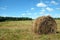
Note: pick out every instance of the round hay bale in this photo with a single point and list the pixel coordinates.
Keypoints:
(45, 25)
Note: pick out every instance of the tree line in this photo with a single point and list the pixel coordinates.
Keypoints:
(57, 18)
(14, 18)
(17, 18)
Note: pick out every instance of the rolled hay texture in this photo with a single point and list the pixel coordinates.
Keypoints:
(44, 25)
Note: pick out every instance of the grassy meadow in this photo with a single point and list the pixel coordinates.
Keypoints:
(22, 30)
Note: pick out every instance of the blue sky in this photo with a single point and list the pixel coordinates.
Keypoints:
(29, 8)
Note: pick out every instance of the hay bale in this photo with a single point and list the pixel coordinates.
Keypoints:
(44, 25)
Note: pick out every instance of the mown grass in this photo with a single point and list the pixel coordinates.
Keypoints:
(7, 34)
(22, 30)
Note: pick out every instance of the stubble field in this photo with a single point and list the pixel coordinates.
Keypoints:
(22, 30)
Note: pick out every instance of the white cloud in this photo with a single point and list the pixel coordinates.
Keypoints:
(32, 8)
(23, 14)
(58, 8)
(35, 13)
(42, 13)
(41, 5)
(57, 15)
(49, 9)
(53, 2)
(29, 13)
(47, 14)
(43, 10)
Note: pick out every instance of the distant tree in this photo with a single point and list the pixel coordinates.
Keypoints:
(14, 18)
(57, 18)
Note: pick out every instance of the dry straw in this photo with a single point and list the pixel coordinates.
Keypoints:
(44, 25)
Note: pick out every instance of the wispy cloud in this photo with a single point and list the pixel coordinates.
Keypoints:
(32, 8)
(26, 14)
(47, 14)
(58, 8)
(43, 10)
(35, 13)
(49, 9)
(42, 13)
(29, 13)
(56, 15)
(41, 4)
(54, 2)
(23, 14)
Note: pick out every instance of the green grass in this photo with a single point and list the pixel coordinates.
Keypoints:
(22, 30)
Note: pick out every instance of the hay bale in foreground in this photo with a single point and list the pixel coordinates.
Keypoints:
(45, 25)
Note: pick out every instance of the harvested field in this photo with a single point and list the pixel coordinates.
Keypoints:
(22, 30)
